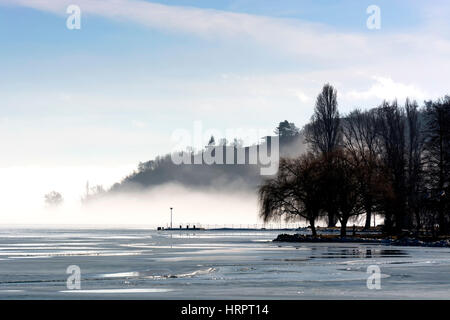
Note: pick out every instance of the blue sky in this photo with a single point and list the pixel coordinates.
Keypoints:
(113, 92)
(89, 104)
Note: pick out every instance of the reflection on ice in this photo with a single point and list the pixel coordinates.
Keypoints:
(146, 290)
(17, 254)
(345, 253)
(158, 274)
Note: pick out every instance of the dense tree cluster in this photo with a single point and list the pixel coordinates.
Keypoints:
(163, 170)
(392, 161)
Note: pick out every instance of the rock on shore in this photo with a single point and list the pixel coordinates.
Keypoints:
(385, 241)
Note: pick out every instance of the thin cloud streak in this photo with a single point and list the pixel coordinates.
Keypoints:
(288, 35)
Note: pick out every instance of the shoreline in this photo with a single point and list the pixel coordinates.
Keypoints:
(389, 241)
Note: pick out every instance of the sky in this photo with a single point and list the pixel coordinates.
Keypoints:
(91, 103)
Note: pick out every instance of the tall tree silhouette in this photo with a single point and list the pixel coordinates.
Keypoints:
(392, 136)
(324, 134)
(360, 139)
(437, 154)
(414, 146)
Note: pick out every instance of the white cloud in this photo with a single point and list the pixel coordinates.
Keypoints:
(302, 96)
(386, 88)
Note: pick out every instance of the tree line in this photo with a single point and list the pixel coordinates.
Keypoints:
(392, 161)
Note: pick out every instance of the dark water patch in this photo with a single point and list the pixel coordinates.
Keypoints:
(287, 259)
(361, 253)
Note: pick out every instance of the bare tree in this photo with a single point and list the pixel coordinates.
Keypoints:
(437, 155)
(323, 134)
(360, 139)
(294, 192)
(302, 189)
(345, 176)
(392, 138)
(414, 145)
(93, 193)
(53, 199)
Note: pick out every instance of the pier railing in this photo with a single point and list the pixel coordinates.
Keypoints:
(255, 226)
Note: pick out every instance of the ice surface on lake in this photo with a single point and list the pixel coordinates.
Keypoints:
(147, 264)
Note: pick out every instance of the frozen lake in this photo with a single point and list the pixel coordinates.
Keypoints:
(148, 264)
